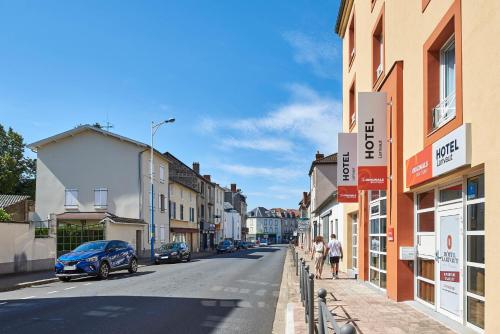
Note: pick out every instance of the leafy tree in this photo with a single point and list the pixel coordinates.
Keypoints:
(4, 216)
(17, 172)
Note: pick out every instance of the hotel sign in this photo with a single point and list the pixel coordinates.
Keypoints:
(347, 185)
(372, 141)
(448, 153)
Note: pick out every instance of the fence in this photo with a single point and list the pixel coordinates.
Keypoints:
(307, 298)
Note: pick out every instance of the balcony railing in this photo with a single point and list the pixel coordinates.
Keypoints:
(444, 112)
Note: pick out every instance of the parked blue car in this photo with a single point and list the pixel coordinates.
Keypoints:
(96, 258)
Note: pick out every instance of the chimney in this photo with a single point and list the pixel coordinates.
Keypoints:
(319, 156)
(207, 177)
(304, 197)
(233, 187)
(196, 167)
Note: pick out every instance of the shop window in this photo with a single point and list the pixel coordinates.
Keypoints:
(425, 200)
(425, 221)
(475, 251)
(378, 239)
(378, 40)
(475, 312)
(352, 105)
(450, 193)
(352, 39)
(425, 291)
(354, 220)
(443, 77)
(426, 268)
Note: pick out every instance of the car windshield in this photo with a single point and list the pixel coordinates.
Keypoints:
(170, 246)
(91, 246)
(224, 243)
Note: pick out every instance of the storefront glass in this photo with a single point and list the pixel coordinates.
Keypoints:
(426, 241)
(354, 219)
(475, 251)
(378, 239)
(72, 234)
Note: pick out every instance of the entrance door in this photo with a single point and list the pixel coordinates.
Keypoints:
(449, 260)
(138, 241)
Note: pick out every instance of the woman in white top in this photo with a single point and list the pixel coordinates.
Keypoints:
(319, 251)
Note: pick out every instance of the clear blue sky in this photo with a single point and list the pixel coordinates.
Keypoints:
(255, 86)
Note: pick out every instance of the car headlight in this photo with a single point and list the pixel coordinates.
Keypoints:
(156, 254)
(173, 253)
(92, 259)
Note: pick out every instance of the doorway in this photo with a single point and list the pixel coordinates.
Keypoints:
(449, 262)
(138, 241)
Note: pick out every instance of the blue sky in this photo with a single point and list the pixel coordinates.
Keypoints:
(255, 86)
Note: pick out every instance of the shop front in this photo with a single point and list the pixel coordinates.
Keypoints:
(186, 235)
(449, 216)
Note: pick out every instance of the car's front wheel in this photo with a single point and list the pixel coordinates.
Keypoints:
(64, 279)
(133, 266)
(104, 271)
(188, 258)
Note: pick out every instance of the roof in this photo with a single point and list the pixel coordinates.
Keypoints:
(99, 216)
(342, 17)
(259, 212)
(329, 159)
(8, 200)
(177, 178)
(83, 128)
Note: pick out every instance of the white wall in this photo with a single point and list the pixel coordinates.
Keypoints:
(232, 225)
(21, 251)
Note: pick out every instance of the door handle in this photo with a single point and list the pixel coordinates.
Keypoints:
(437, 257)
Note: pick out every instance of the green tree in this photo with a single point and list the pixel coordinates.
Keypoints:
(4, 216)
(17, 172)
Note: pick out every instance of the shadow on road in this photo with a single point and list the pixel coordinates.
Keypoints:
(117, 314)
(248, 253)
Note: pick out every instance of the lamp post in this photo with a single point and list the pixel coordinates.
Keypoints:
(154, 128)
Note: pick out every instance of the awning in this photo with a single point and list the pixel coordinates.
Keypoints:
(100, 216)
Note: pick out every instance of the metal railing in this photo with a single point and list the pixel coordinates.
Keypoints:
(325, 317)
(307, 295)
(444, 111)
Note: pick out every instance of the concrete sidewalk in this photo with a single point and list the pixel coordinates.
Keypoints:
(16, 281)
(367, 308)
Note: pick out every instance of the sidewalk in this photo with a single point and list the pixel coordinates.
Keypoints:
(16, 281)
(368, 309)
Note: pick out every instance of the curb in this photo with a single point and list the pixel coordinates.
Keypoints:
(28, 284)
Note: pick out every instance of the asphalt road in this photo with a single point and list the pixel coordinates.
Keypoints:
(233, 293)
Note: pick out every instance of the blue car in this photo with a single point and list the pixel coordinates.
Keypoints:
(96, 258)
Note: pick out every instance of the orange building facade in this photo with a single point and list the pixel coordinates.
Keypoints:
(423, 238)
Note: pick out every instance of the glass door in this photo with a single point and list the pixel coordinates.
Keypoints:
(449, 263)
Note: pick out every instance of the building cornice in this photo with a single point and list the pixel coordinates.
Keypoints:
(343, 17)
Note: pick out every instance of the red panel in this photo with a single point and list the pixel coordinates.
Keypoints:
(372, 177)
(347, 194)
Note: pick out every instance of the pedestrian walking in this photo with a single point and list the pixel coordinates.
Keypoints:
(319, 252)
(336, 254)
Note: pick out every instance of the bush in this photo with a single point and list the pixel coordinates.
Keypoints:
(4, 216)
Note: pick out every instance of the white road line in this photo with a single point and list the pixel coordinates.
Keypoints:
(51, 292)
(28, 297)
(71, 287)
(3, 303)
(87, 283)
(290, 328)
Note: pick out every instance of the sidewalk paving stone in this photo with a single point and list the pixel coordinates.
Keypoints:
(367, 308)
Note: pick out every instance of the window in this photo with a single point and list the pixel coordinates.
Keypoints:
(475, 276)
(378, 49)
(378, 239)
(202, 211)
(426, 238)
(71, 199)
(352, 40)
(173, 210)
(162, 174)
(162, 203)
(182, 194)
(352, 105)
(101, 198)
(442, 77)
(445, 110)
(181, 209)
(354, 220)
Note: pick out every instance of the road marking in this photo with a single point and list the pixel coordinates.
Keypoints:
(261, 304)
(87, 283)
(71, 287)
(28, 297)
(244, 290)
(244, 304)
(3, 303)
(290, 328)
(216, 288)
(51, 292)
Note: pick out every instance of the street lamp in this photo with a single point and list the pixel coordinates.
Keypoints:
(154, 128)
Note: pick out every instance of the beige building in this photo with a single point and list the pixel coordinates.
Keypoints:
(437, 62)
(92, 184)
(183, 225)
